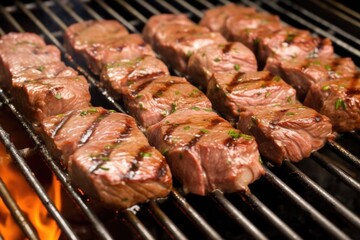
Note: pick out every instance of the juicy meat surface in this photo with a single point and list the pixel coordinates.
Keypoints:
(217, 58)
(110, 159)
(205, 153)
(40, 98)
(215, 18)
(339, 100)
(119, 75)
(302, 73)
(156, 21)
(290, 132)
(231, 93)
(289, 43)
(131, 46)
(247, 28)
(151, 101)
(82, 35)
(19, 51)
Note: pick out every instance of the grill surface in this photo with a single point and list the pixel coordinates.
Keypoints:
(314, 198)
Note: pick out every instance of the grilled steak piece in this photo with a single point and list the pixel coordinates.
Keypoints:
(51, 70)
(150, 101)
(108, 157)
(289, 43)
(177, 42)
(247, 28)
(151, 27)
(286, 132)
(231, 93)
(205, 153)
(218, 58)
(339, 100)
(82, 35)
(118, 75)
(302, 73)
(215, 18)
(40, 98)
(130, 46)
(19, 51)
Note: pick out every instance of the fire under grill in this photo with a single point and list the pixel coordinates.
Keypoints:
(317, 197)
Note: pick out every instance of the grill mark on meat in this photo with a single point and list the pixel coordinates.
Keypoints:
(140, 88)
(60, 125)
(162, 170)
(278, 116)
(170, 130)
(135, 162)
(87, 134)
(227, 47)
(104, 156)
(235, 81)
(164, 88)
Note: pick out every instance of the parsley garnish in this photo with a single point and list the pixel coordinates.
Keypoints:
(145, 154)
(236, 67)
(340, 103)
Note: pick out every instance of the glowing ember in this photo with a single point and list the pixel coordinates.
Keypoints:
(28, 201)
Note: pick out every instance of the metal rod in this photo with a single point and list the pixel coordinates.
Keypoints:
(69, 11)
(305, 206)
(90, 10)
(35, 184)
(11, 19)
(138, 225)
(310, 185)
(269, 216)
(132, 10)
(48, 12)
(345, 178)
(191, 8)
(165, 221)
(195, 216)
(206, 3)
(26, 226)
(2, 32)
(345, 153)
(149, 7)
(235, 214)
(168, 6)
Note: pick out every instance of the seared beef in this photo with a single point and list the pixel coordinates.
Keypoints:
(218, 58)
(108, 157)
(82, 35)
(289, 43)
(151, 27)
(40, 98)
(19, 51)
(302, 73)
(339, 100)
(151, 101)
(120, 74)
(215, 18)
(286, 132)
(231, 93)
(128, 47)
(205, 153)
(247, 28)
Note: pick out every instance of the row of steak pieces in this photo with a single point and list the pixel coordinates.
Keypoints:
(181, 124)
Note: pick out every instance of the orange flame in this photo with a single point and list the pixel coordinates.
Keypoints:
(28, 202)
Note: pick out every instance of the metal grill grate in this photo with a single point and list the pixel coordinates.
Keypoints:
(315, 198)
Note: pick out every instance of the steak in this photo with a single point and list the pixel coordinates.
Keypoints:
(215, 18)
(231, 93)
(205, 153)
(117, 76)
(19, 51)
(302, 73)
(82, 35)
(40, 98)
(339, 100)
(217, 58)
(109, 158)
(247, 28)
(130, 46)
(150, 101)
(289, 132)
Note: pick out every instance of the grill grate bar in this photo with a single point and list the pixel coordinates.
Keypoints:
(2, 32)
(194, 216)
(268, 215)
(131, 9)
(138, 225)
(349, 181)
(165, 221)
(206, 3)
(48, 12)
(148, 7)
(91, 11)
(26, 226)
(35, 184)
(310, 185)
(345, 9)
(190, 7)
(168, 6)
(69, 11)
(237, 216)
(98, 226)
(11, 19)
(305, 206)
(345, 153)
